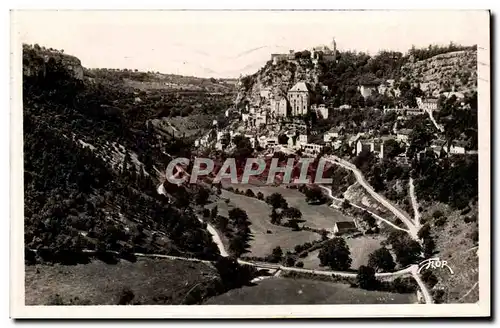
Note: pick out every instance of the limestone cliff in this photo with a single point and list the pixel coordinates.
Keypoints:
(278, 79)
(36, 60)
(442, 73)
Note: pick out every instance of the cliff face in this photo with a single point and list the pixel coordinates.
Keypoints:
(36, 60)
(277, 78)
(442, 73)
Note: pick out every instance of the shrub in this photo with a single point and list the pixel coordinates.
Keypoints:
(126, 296)
(439, 222)
(437, 214)
(469, 219)
(298, 248)
(299, 264)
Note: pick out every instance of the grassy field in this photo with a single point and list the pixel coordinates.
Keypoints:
(360, 247)
(316, 216)
(262, 243)
(152, 281)
(303, 291)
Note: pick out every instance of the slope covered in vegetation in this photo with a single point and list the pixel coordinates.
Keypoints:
(76, 196)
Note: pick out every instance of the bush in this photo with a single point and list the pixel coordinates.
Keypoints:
(469, 219)
(290, 261)
(439, 222)
(126, 296)
(366, 278)
(429, 278)
(437, 214)
(438, 296)
(298, 248)
(206, 213)
(299, 264)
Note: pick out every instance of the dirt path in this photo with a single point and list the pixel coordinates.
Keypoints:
(412, 229)
(414, 203)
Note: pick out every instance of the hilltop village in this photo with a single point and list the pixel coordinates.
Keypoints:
(288, 120)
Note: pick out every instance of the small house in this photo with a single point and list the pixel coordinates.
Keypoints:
(344, 227)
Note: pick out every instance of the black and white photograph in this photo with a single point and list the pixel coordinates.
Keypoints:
(250, 164)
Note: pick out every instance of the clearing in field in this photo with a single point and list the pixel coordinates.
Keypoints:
(360, 247)
(316, 216)
(302, 291)
(262, 243)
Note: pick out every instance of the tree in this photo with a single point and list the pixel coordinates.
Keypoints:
(335, 254)
(282, 139)
(276, 255)
(429, 246)
(249, 193)
(366, 278)
(275, 217)
(260, 196)
(429, 278)
(276, 200)
(346, 204)
(237, 245)
(419, 139)
(381, 259)
(292, 213)
(424, 231)
(243, 149)
(406, 249)
(369, 219)
(238, 216)
(232, 274)
(314, 195)
(392, 148)
(202, 196)
(213, 212)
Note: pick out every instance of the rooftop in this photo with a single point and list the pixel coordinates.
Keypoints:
(404, 131)
(345, 225)
(300, 86)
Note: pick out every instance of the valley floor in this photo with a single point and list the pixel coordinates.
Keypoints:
(301, 291)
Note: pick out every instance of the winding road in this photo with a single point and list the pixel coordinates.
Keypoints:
(412, 229)
(378, 217)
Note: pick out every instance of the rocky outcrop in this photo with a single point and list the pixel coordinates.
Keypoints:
(446, 72)
(277, 78)
(36, 60)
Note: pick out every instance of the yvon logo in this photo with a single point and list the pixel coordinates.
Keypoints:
(434, 263)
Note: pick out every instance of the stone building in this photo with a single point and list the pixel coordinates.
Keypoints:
(299, 99)
(279, 106)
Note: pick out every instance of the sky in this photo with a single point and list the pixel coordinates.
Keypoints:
(229, 43)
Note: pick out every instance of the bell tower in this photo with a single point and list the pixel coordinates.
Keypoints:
(334, 49)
